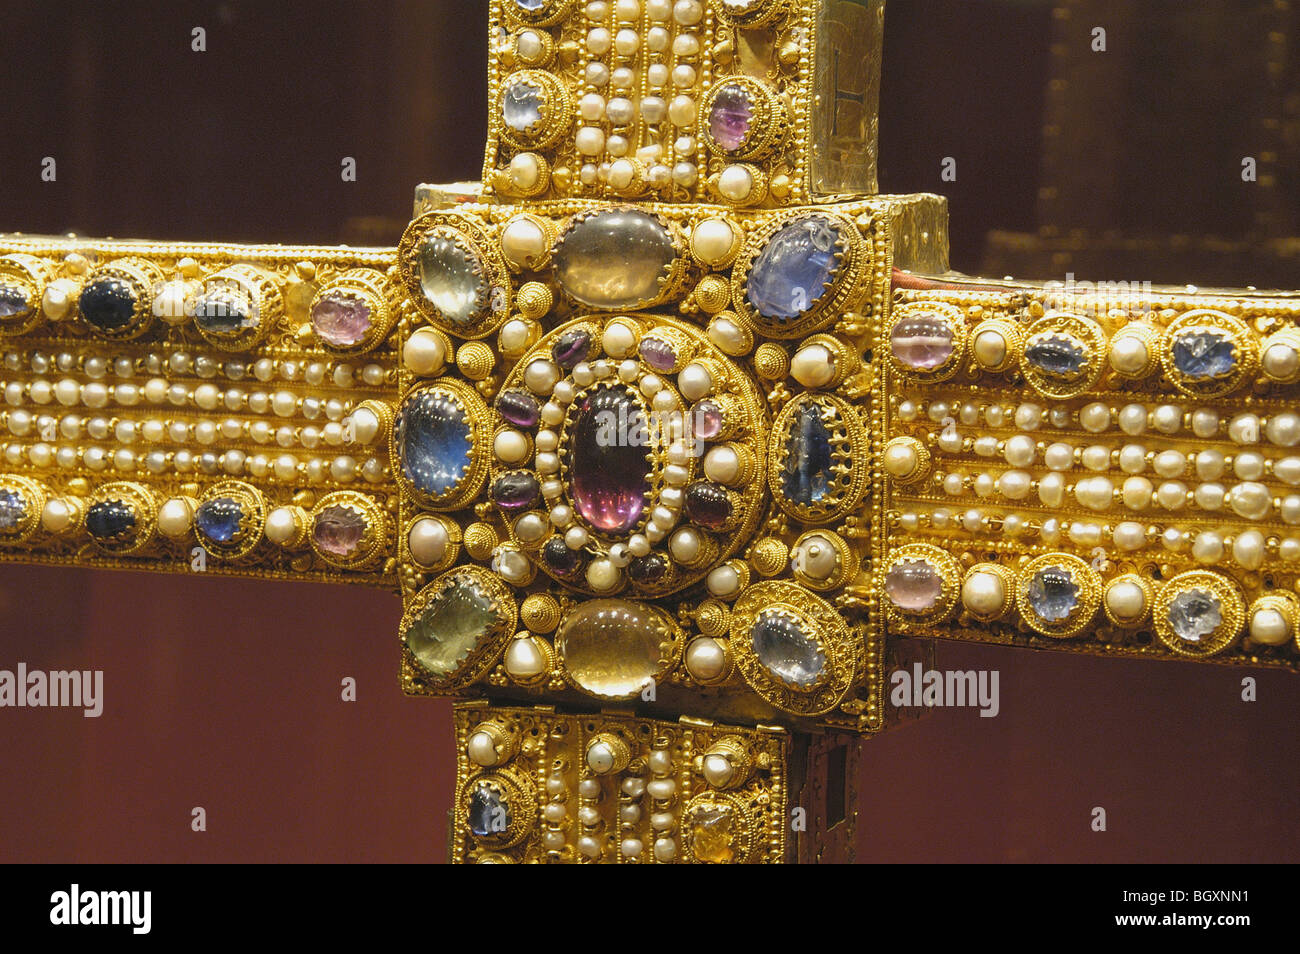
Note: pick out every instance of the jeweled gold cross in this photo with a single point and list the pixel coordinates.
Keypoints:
(664, 438)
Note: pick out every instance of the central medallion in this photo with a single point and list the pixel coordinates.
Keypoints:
(623, 456)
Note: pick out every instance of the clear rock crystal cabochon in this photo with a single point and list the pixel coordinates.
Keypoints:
(608, 477)
(452, 278)
(794, 268)
(1195, 614)
(617, 258)
(434, 441)
(614, 648)
(521, 105)
(1053, 595)
(785, 648)
(224, 311)
(13, 509)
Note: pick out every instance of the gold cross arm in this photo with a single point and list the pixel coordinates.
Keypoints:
(672, 435)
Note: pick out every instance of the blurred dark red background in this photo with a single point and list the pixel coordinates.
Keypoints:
(226, 694)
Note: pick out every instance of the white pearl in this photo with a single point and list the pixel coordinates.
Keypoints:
(1128, 354)
(1172, 495)
(1283, 430)
(1167, 419)
(603, 575)
(1174, 540)
(1207, 547)
(1287, 470)
(541, 375)
(1029, 416)
(816, 558)
(1126, 600)
(713, 240)
(1136, 493)
(524, 660)
(481, 749)
(1244, 429)
(986, 445)
(1095, 493)
(984, 485)
(1095, 457)
(1205, 422)
(175, 517)
(1094, 417)
(1250, 499)
(424, 352)
(1020, 451)
(900, 459)
(1051, 490)
(1169, 463)
(1248, 465)
(510, 446)
(1248, 549)
(1281, 361)
(723, 465)
(665, 849)
(1014, 484)
(950, 440)
(735, 183)
(428, 541)
(1133, 419)
(1058, 456)
(523, 240)
(1210, 496)
(728, 336)
(661, 788)
(694, 382)
(983, 593)
(1085, 534)
(1269, 626)
(281, 526)
(1129, 535)
(813, 366)
(1290, 509)
(990, 349)
(1209, 464)
(723, 581)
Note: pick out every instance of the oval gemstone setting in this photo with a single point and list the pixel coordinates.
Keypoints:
(807, 475)
(341, 320)
(13, 510)
(1194, 615)
(617, 258)
(339, 530)
(794, 269)
(1203, 354)
(1057, 355)
(613, 648)
(451, 277)
(731, 116)
(218, 519)
(1053, 595)
(434, 442)
(452, 626)
(609, 476)
(922, 342)
(108, 303)
(786, 649)
(914, 586)
(225, 313)
(110, 520)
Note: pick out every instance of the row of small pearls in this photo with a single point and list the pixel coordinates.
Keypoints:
(662, 790)
(555, 812)
(284, 468)
(589, 821)
(631, 795)
(98, 367)
(1281, 429)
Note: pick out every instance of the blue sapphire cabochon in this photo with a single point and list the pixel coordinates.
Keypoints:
(434, 441)
(807, 474)
(108, 303)
(110, 519)
(793, 270)
(218, 519)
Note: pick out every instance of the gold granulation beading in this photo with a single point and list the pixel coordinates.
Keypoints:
(852, 448)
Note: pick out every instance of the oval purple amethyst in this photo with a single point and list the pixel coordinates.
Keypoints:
(571, 347)
(708, 504)
(707, 420)
(607, 460)
(515, 490)
(658, 354)
(731, 116)
(519, 408)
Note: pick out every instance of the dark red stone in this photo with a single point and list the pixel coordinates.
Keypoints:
(708, 504)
